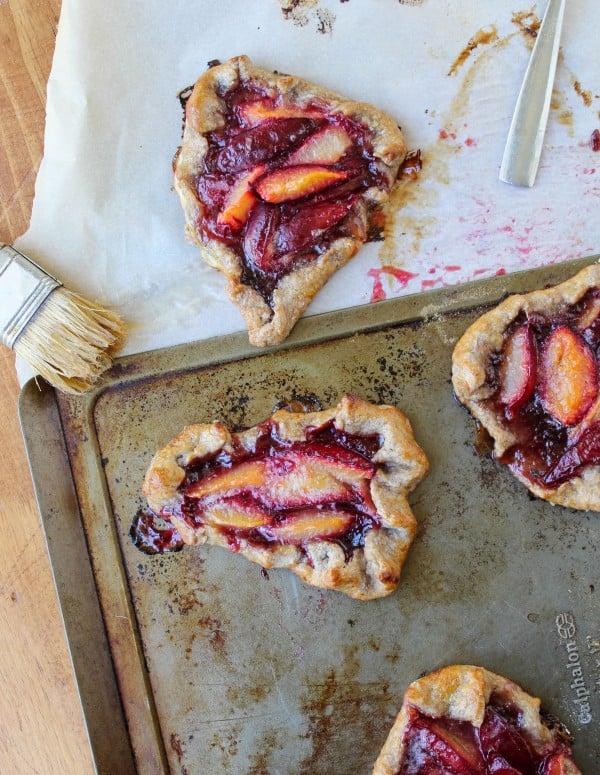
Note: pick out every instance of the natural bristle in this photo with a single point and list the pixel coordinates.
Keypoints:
(70, 341)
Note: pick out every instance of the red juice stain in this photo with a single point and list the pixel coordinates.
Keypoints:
(401, 275)
(377, 294)
(444, 134)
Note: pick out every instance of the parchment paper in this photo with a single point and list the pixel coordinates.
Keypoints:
(106, 221)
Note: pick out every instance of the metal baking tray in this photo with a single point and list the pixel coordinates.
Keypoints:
(199, 662)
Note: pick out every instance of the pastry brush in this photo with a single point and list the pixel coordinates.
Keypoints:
(66, 339)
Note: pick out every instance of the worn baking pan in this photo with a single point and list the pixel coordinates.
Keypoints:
(198, 662)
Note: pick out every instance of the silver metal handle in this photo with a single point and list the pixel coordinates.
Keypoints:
(24, 287)
(526, 134)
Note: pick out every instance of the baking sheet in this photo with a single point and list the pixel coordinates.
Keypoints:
(223, 668)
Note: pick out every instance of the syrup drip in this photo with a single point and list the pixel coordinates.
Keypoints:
(152, 535)
(412, 165)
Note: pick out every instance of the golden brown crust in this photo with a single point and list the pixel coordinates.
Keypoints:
(471, 358)
(374, 570)
(461, 692)
(204, 113)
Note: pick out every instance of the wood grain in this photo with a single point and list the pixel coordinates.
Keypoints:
(41, 724)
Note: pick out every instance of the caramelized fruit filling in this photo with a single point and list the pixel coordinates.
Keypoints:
(283, 492)
(546, 384)
(444, 746)
(280, 182)
(288, 493)
(151, 535)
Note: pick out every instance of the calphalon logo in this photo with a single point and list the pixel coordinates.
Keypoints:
(567, 630)
(565, 624)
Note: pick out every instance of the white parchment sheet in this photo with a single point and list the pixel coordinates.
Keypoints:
(107, 222)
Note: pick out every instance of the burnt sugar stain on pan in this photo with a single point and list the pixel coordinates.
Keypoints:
(331, 704)
(264, 760)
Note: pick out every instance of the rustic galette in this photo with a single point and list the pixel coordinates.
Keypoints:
(465, 720)
(279, 180)
(529, 372)
(321, 493)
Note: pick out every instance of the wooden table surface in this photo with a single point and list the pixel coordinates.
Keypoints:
(41, 724)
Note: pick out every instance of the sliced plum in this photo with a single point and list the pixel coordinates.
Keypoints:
(560, 764)
(246, 475)
(308, 224)
(568, 376)
(279, 180)
(232, 514)
(285, 480)
(316, 489)
(259, 144)
(273, 238)
(504, 744)
(547, 381)
(214, 190)
(240, 201)
(259, 110)
(447, 744)
(584, 452)
(327, 146)
(259, 239)
(291, 183)
(310, 524)
(518, 369)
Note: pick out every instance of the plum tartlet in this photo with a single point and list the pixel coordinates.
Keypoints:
(321, 493)
(466, 720)
(279, 180)
(529, 372)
